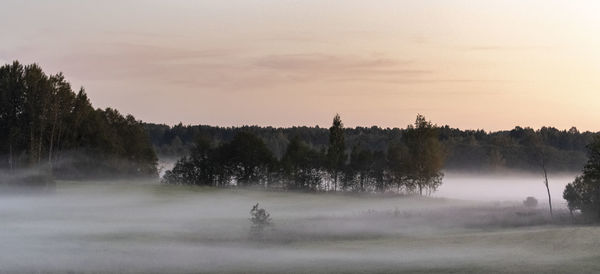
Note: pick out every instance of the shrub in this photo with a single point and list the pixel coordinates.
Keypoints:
(530, 202)
(260, 219)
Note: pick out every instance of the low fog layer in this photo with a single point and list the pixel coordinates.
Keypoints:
(504, 187)
(116, 227)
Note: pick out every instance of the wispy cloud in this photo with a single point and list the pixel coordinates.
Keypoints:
(236, 69)
(503, 48)
(328, 67)
(232, 69)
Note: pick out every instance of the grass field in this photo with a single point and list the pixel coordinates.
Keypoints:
(150, 228)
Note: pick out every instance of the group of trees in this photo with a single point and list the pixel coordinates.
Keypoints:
(467, 150)
(412, 163)
(44, 123)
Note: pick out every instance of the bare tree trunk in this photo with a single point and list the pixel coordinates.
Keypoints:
(362, 183)
(571, 213)
(31, 146)
(547, 187)
(58, 145)
(51, 145)
(40, 148)
(335, 178)
(10, 156)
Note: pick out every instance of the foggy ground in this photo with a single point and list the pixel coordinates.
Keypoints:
(145, 227)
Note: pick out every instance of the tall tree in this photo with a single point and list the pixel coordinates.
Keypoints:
(336, 154)
(426, 155)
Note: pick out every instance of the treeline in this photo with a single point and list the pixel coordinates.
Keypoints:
(412, 164)
(45, 124)
(466, 150)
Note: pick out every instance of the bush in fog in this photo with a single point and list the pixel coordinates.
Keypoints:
(260, 219)
(530, 202)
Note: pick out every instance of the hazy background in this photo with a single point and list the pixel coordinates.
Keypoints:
(504, 187)
(470, 64)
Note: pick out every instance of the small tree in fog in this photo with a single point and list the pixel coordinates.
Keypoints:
(530, 202)
(260, 219)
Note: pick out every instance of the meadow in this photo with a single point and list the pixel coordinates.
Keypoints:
(143, 226)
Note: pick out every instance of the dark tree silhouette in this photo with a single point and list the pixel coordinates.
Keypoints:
(336, 154)
(584, 192)
(466, 150)
(43, 121)
(426, 155)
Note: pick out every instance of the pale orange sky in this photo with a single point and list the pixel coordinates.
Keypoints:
(468, 64)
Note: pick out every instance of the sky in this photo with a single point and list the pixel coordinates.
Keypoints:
(470, 64)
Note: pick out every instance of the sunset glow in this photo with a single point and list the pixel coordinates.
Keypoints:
(469, 64)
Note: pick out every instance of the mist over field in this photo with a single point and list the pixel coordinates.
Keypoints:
(142, 226)
(299, 136)
(508, 186)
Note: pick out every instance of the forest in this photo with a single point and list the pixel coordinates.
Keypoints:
(465, 150)
(45, 124)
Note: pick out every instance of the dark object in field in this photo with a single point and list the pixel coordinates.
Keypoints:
(530, 202)
(260, 219)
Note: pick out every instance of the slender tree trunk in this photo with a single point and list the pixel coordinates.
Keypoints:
(547, 187)
(51, 145)
(31, 146)
(58, 144)
(362, 183)
(10, 156)
(571, 214)
(40, 143)
(39, 154)
(335, 178)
